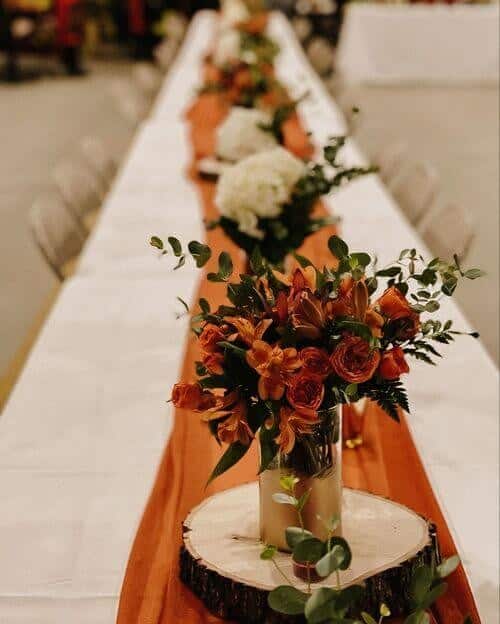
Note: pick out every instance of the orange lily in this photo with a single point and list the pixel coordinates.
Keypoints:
(291, 425)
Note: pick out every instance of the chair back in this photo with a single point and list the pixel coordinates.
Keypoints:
(390, 160)
(56, 231)
(447, 230)
(417, 190)
(99, 159)
(79, 188)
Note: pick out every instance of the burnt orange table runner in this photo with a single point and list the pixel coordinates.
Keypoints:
(386, 464)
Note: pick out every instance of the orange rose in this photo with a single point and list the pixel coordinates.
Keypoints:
(353, 360)
(315, 361)
(393, 364)
(210, 336)
(213, 362)
(187, 396)
(305, 393)
(394, 305)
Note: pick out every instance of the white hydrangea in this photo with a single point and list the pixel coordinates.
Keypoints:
(227, 48)
(241, 135)
(233, 12)
(258, 186)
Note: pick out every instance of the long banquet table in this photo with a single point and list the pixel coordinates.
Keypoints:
(82, 434)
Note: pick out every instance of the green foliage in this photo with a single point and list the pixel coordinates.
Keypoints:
(288, 600)
(231, 456)
(225, 269)
(309, 550)
(268, 552)
(200, 252)
(294, 535)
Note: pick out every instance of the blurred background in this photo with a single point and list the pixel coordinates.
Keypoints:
(77, 78)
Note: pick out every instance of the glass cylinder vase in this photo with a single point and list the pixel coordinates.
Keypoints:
(316, 460)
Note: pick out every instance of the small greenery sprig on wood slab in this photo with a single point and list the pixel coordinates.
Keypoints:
(337, 605)
(286, 349)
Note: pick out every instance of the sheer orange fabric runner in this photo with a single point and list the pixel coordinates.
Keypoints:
(386, 464)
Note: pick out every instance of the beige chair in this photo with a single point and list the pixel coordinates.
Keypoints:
(390, 161)
(448, 229)
(147, 77)
(81, 190)
(99, 160)
(57, 233)
(165, 52)
(131, 103)
(416, 191)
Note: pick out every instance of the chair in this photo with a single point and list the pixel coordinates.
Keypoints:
(99, 160)
(131, 102)
(57, 233)
(390, 160)
(447, 230)
(416, 191)
(164, 53)
(81, 191)
(147, 77)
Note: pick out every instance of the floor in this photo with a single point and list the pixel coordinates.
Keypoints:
(42, 122)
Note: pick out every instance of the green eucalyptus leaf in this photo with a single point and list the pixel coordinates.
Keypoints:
(288, 482)
(303, 500)
(389, 272)
(384, 610)
(204, 306)
(363, 259)
(338, 247)
(155, 241)
(473, 274)
(419, 617)
(350, 596)
(176, 246)
(294, 535)
(447, 566)
(200, 252)
(268, 552)
(288, 600)
(185, 305)
(284, 499)
(421, 583)
(321, 606)
(367, 618)
(330, 562)
(435, 593)
(309, 550)
(181, 263)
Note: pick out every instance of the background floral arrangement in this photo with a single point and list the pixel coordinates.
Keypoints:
(267, 200)
(289, 348)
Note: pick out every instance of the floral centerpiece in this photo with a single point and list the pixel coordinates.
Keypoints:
(266, 200)
(278, 361)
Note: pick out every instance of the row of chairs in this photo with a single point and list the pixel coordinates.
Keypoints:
(446, 227)
(134, 95)
(62, 219)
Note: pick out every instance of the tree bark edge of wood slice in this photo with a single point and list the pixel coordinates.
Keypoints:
(228, 596)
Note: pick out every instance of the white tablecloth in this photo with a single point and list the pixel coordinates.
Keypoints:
(437, 43)
(82, 435)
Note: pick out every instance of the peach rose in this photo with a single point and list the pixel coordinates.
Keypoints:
(393, 364)
(187, 395)
(213, 362)
(210, 336)
(353, 360)
(305, 393)
(315, 361)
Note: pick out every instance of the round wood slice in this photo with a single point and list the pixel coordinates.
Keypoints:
(220, 558)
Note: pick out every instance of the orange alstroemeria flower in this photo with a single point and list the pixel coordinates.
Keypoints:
(274, 366)
(246, 330)
(235, 428)
(308, 315)
(292, 425)
(353, 301)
